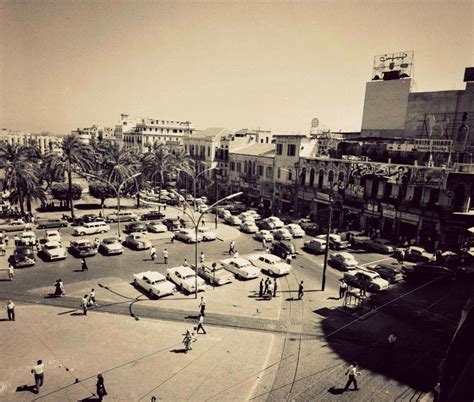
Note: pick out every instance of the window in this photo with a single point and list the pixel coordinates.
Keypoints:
(239, 167)
(260, 170)
(232, 166)
(331, 177)
(291, 150)
(321, 178)
(268, 171)
(278, 173)
(311, 177)
(290, 175)
(279, 149)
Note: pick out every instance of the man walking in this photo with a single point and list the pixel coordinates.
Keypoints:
(275, 287)
(231, 247)
(11, 310)
(202, 307)
(152, 253)
(264, 244)
(38, 372)
(92, 298)
(185, 263)
(201, 325)
(202, 258)
(300, 291)
(11, 271)
(342, 289)
(84, 265)
(352, 373)
(265, 290)
(84, 303)
(260, 293)
(165, 256)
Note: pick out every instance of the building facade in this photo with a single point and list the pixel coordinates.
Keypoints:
(44, 141)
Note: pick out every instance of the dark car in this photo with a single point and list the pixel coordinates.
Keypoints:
(265, 224)
(83, 248)
(173, 201)
(388, 272)
(283, 249)
(135, 227)
(172, 224)
(152, 215)
(425, 271)
(91, 218)
(51, 223)
(23, 256)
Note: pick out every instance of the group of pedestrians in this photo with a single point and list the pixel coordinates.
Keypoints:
(153, 254)
(190, 336)
(267, 288)
(88, 301)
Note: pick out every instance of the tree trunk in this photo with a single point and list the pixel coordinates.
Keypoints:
(28, 203)
(69, 182)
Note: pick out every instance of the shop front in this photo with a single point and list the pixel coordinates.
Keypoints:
(408, 226)
(429, 234)
(371, 217)
(389, 214)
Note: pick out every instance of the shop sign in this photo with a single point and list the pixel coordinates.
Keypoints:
(429, 177)
(405, 216)
(431, 145)
(388, 210)
(395, 174)
(323, 198)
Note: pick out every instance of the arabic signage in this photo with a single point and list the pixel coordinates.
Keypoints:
(395, 174)
(401, 61)
(429, 177)
(388, 210)
(406, 217)
(433, 145)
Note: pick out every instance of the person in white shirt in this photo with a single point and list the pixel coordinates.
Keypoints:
(352, 373)
(200, 325)
(392, 339)
(38, 372)
(165, 255)
(11, 271)
(152, 253)
(11, 310)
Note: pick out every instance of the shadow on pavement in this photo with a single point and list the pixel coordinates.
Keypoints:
(178, 350)
(336, 391)
(26, 388)
(91, 398)
(77, 313)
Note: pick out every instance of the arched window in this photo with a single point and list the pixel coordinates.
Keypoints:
(303, 176)
(321, 178)
(311, 177)
(340, 177)
(330, 177)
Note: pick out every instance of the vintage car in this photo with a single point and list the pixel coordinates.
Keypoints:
(240, 267)
(315, 246)
(270, 264)
(264, 235)
(152, 215)
(233, 220)
(388, 272)
(154, 283)
(215, 273)
(185, 278)
(91, 228)
(137, 241)
(342, 261)
(28, 238)
(295, 230)
(135, 227)
(206, 233)
(83, 248)
(53, 250)
(249, 227)
(380, 245)
(188, 236)
(156, 227)
(13, 225)
(365, 279)
(110, 246)
(51, 223)
(284, 249)
(335, 241)
(122, 216)
(23, 256)
(52, 235)
(172, 224)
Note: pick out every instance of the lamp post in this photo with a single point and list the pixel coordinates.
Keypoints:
(196, 223)
(326, 251)
(117, 191)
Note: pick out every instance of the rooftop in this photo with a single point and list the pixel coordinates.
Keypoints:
(257, 149)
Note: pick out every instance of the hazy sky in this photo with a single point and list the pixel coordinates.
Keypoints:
(273, 65)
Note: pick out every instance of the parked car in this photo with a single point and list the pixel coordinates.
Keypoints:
(426, 271)
(188, 236)
(249, 227)
(365, 279)
(52, 235)
(154, 283)
(156, 227)
(265, 225)
(215, 273)
(250, 214)
(342, 260)
(137, 241)
(380, 245)
(152, 215)
(185, 278)
(28, 238)
(417, 254)
(51, 223)
(315, 246)
(83, 248)
(264, 234)
(123, 216)
(270, 264)
(186, 222)
(52, 250)
(282, 234)
(91, 228)
(207, 234)
(358, 240)
(13, 225)
(91, 218)
(172, 224)
(308, 226)
(335, 241)
(223, 212)
(135, 227)
(295, 230)
(110, 246)
(283, 249)
(233, 220)
(240, 267)
(388, 272)
(23, 256)
(276, 221)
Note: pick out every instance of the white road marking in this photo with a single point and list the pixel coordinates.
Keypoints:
(376, 261)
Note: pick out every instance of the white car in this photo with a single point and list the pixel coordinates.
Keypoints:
(188, 235)
(154, 283)
(28, 238)
(365, 279)
(249, 215)
(335, 241)
(185, 278)
(91, 228)
(156, 227)
(215, 273)
(282, 234)
(276, 221)
(295, 230)
(343, 261)
(249, 227)
(380, 245)
(137, 241)
(110, 246)
(233, 220)
(207, 234)
(240, 267)
(52, 235)
(270, 263)
(53, 250)
(264, 234)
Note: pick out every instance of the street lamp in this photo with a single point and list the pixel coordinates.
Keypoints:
(196, 229)
(326, 252)
(117, 191)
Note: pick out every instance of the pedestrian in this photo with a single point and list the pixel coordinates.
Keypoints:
(236, 254)
(188, 340)
(264, 243)
(84, 265)
(352, 373)
(11, 310)
(342, 289)
(11, 271)
(439, 256)
(231, 247)
(288, 259)
(300, 291)
(260, 293)
(38, 372)
(275, 287)
(172, 237)
(6, 238)
(270, 290)
(265, 290)
(201, 325)
(152, 253)
(165, 255)
(17, 240)
(92, 298)
(392, 340)
(201, 258)
(84, 303)
(100, 387)
(59, 288)
(185, 263)
(202, 307)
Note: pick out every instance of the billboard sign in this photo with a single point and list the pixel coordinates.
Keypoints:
(432, 145)
(401, 61)
(429, 177)
(395, 174)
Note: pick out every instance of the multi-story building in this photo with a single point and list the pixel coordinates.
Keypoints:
(45, 142)
(86, 134)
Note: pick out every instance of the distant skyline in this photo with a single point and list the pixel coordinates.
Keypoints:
(273, 65)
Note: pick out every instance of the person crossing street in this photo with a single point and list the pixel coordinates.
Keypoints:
(165, 256)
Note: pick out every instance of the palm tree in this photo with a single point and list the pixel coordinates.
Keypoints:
(73, 155)
(117, 163)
